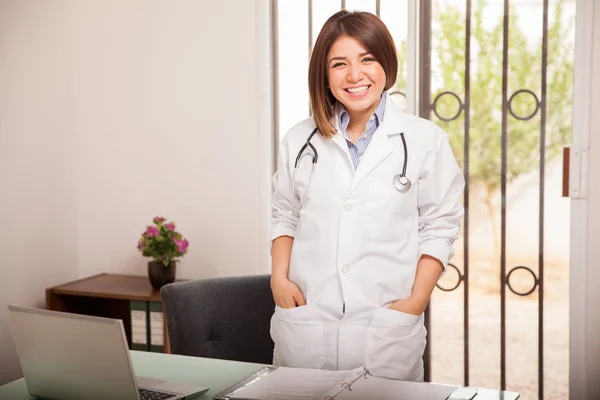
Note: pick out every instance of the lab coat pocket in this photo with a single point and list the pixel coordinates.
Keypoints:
(395, 345)
(389, 215)
(298, 336)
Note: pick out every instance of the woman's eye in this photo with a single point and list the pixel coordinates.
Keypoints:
(368, 59)
(337, 64)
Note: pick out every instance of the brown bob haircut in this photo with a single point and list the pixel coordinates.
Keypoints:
(372, 33)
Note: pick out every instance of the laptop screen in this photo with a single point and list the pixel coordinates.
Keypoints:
(69, 356)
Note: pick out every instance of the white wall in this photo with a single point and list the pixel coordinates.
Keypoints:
(113, 112)
(38, 194)
(166, 114)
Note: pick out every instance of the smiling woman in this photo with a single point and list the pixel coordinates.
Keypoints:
(353, 61)
(353, 269)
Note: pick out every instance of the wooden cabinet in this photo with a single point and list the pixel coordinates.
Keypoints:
(111, 296)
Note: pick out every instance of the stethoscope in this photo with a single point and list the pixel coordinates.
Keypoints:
(400, 181)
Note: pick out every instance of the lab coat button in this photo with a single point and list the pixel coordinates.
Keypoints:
(345, 269)
(348, 207)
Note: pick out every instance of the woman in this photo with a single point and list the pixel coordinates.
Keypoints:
(359, 244)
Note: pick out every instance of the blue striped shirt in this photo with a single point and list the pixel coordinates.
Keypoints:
(357, 150)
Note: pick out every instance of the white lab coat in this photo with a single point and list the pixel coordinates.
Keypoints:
(357, 242)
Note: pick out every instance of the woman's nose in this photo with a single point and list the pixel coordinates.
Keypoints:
(355, 73)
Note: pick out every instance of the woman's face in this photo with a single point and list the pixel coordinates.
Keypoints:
(356, 79)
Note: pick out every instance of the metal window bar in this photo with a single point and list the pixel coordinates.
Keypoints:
(541, 217)
(503, 204)
(424, 111)
(467, 123)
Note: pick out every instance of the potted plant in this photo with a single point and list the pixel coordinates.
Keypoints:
(165, 245)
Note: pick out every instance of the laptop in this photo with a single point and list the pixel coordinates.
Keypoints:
(70, 356)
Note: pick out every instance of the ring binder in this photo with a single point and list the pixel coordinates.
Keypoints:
(348, 385)
(237, 391)
(310, 384)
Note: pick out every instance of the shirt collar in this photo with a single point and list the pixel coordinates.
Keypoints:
(377, 115)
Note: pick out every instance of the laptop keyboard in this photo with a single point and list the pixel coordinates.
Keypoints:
(146, 394)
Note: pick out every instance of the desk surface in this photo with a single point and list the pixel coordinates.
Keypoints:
(218, 375)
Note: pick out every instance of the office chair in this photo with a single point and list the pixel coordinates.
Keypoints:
(227, 318)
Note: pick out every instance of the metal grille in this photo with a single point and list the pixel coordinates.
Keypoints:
(427, 109)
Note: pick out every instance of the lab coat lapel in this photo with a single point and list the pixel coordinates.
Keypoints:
(338, 138)
(380, 147)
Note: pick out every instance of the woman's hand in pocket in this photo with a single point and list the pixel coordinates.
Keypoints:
(286, 293)
(407, 306)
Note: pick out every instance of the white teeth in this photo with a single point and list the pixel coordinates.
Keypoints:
(358, 89)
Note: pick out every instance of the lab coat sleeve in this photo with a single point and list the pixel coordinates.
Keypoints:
(441, 186)
(284, 221)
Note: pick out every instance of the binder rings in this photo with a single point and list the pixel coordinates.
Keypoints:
(310, 384)
(346, 385)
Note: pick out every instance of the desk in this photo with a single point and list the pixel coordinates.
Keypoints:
(110, 296)
(218, 375)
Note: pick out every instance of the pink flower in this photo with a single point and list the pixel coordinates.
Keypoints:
(181, 245)
(152, 231)
(170, 226)
(158, 220)
(140, 245)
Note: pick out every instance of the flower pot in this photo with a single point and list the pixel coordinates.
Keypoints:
(160, 275)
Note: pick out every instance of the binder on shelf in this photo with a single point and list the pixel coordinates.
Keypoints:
(147, 326)
(139, 325)
(304, 384)
(157, 328)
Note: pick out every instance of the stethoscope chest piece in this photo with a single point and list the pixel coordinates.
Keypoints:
(401, 183)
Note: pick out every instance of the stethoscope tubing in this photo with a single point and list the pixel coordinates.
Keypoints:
(315, 157)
